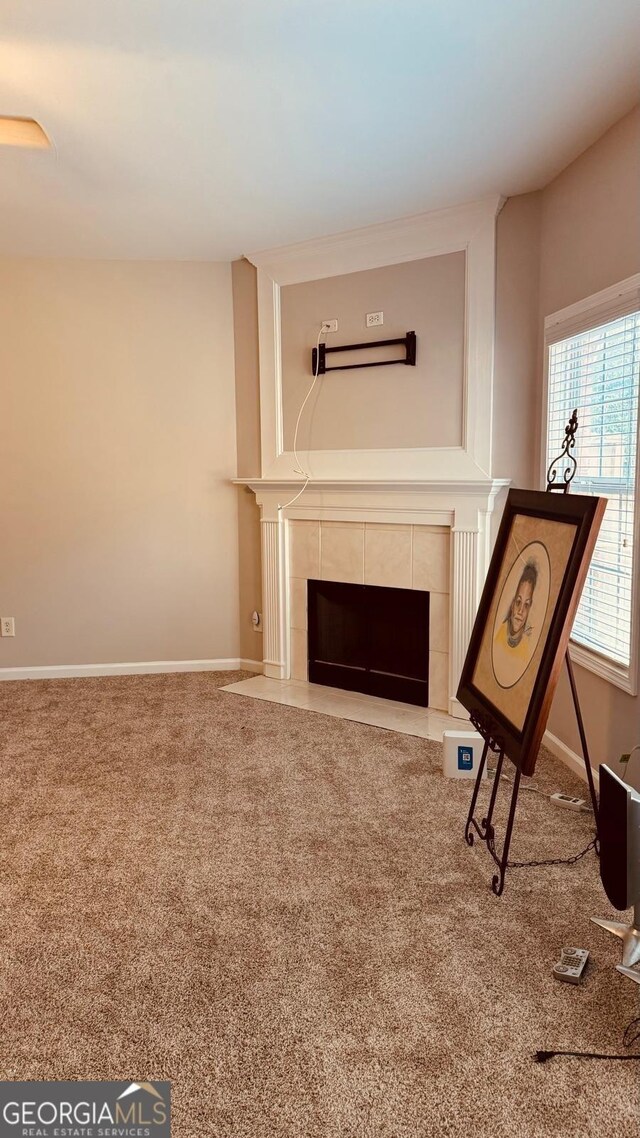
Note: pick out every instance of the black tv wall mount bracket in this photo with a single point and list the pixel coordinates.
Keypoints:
(319, 355)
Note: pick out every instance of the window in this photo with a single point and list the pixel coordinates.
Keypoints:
(593, 364)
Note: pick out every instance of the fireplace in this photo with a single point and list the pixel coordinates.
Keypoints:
(422, 536)
(369, 638)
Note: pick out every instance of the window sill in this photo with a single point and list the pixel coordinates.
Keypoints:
(617, 674)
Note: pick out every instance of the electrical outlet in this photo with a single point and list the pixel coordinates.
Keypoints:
(374, 319)
(329, 325)
(7, 626)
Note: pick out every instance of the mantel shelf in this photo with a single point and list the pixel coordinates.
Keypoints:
(479, 486)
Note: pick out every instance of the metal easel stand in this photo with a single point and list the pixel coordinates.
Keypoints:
(585, 748)
(484, 828)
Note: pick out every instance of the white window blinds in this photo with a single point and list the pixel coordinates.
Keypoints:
(597, 371)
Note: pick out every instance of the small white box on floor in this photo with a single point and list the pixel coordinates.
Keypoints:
(462, 754)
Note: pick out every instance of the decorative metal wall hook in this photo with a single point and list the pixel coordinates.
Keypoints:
(565, 464)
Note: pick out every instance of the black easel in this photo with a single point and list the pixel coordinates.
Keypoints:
(485, 828)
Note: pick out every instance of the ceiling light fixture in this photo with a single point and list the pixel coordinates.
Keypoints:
(22, 132)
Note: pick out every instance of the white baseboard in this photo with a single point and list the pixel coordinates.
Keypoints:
(568, 757)
(145, 667)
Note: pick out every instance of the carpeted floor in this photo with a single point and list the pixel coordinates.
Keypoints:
(276, 910)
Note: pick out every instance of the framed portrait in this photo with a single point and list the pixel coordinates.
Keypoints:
(521, 633)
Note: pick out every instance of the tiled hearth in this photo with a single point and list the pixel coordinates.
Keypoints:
(385, 713)
(364, 553)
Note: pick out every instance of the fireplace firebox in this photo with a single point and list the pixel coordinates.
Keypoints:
(369, 638)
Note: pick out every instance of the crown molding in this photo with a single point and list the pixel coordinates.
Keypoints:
(373, 246)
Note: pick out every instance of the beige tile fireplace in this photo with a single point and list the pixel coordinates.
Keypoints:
(370, 553)
(432, 536)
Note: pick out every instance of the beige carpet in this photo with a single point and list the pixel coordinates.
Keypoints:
(276, 911)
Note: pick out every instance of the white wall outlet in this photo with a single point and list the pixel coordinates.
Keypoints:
(256, 620)
(374, 319)
(7, 626)
(329, 325)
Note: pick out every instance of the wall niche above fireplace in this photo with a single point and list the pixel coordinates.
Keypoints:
(370, 638)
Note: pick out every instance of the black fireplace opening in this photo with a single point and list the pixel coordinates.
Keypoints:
(371, 639)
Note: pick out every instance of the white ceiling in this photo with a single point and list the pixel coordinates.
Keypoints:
(203, 129)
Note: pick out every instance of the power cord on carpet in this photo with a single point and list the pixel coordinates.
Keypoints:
(631, 1035)
(534, 789)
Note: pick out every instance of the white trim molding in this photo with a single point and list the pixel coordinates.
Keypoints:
(275, 595)
(605, 305)
(142, 668)
(467, 573)
(470, 228)
(568, 757)
(620, 675)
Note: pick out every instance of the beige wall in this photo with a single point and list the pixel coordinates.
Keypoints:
(245, 316)
(516, 389)
(591, 219)
(118, 442)
(380, 407)
(590, 238)
(515, 392)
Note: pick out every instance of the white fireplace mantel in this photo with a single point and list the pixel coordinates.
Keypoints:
(465, 508)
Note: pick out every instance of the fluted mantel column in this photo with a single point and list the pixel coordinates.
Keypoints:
(465, 549)
(275, 597)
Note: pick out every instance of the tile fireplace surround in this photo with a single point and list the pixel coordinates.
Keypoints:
(419, 535)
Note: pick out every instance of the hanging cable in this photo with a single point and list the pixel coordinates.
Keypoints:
(298, 468)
